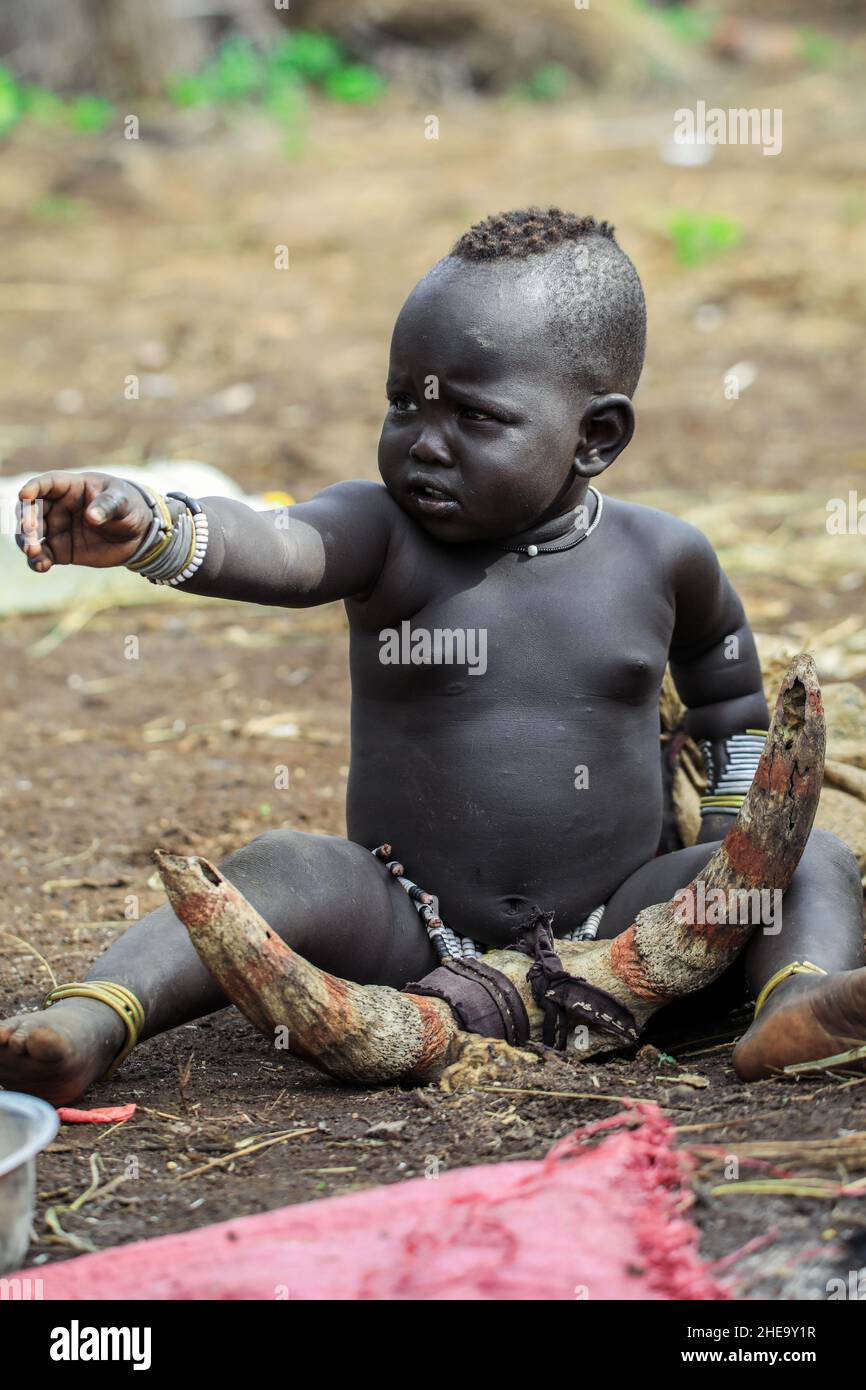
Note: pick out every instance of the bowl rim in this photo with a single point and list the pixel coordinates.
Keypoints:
(44, 1124)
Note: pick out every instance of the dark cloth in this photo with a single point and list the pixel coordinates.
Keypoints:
(566, 1000)
(484, 1000)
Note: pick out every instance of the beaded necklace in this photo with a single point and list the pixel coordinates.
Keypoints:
(553, 547)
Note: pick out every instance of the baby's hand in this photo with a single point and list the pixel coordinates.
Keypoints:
(81, 519)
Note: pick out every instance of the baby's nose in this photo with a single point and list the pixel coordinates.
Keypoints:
(430, 447)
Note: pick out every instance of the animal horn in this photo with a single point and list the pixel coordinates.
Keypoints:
(673, 949)
(354, 1032)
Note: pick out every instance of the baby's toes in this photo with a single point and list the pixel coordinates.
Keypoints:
(24, 1037)
(42, 1043)
(16, 1039)
(10, 1026)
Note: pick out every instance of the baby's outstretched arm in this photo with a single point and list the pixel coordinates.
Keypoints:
(713, 659)
(332, 547)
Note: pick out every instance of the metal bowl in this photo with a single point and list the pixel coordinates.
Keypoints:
(26, 1126)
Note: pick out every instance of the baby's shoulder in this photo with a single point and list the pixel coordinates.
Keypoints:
(362, 496)
(669, 539)
(367, 507)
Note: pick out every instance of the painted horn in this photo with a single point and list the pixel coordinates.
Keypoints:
(675, 948)
(354, 1032)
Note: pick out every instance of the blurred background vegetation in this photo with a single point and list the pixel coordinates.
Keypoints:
(123, 46)
(154, 153)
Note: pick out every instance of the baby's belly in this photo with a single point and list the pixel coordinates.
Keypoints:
(500, 815)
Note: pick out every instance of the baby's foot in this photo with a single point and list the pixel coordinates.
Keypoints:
(58, 1052)
(806, 1018)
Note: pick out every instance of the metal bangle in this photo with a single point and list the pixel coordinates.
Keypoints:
(196, 553)
(159, 530)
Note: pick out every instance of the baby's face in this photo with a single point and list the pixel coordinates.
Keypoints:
(483, 422)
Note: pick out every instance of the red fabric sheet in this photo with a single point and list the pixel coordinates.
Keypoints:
(601, 1217)
(108, 1115)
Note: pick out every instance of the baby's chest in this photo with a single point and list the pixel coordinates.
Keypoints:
(527, 636)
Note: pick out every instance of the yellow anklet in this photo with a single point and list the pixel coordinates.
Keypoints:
(796, 967)
(117, 997)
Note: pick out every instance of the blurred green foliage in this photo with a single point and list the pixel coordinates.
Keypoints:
(698, 236)
(550, 82)
(19, 100)
(698, 27)
(236, 74)
(819, 50)
(354, 83)
(278, 77)
(685, 24)
(307, 54)
(43, 106)
(10, 101)
(61, 209)
(90, 114)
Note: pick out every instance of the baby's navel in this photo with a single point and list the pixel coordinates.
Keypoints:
(512, 906)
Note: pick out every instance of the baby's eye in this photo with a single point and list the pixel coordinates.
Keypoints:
(402, 404)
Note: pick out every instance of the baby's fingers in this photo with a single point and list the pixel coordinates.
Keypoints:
(108, 505)
(40, 556)
(30, 517)
(31, 540)
(29, 531)
(53, 487)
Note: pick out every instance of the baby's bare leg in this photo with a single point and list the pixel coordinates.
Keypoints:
(327, 897)
(807, 1016)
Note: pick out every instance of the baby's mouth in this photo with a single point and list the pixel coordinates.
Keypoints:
(435, 493)
(430, 498)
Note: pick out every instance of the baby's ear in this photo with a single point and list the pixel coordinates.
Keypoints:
(605, 429)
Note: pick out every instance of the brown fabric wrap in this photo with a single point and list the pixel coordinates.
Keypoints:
(566, 1000)
(483, 999)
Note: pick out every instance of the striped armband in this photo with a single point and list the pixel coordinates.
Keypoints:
(730, 780)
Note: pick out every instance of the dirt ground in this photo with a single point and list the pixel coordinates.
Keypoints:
(157, 259)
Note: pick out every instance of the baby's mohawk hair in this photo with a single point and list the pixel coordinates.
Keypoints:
(525, 232)
(598, 311)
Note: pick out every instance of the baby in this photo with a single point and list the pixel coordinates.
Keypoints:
(510, 630)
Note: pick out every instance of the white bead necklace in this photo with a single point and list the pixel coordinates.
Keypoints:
(554, 546)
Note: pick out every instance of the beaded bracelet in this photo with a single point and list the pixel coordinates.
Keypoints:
(159, 533)
(196, 536)
(171, 552)
(729, 785)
